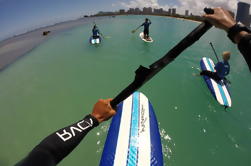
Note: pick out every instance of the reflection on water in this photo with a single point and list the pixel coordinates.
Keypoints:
(168, 145)
(100, 135)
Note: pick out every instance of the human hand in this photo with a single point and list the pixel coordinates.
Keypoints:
(102, 110)
(221, 19)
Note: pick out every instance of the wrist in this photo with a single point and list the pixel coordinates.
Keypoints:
(239, 36)
(97, 117)
(237, 32)
(94, 119)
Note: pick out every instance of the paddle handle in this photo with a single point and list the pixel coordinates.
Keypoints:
(208, 11)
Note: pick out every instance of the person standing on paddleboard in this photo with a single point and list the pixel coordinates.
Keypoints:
(222, 68)
(55, 147)
(146, 25)
(95, 32)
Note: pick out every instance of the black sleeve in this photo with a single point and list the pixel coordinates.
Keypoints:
(59, 144)
(245, 48)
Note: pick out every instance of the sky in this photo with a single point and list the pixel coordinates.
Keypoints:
(19, 16)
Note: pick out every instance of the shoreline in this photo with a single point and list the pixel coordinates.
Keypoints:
(15, 47)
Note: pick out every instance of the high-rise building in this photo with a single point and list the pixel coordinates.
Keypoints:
(131, 11)
(147, 10)
(250, 19)
(137, 11)
(158, 11)
(186, 12)
(122, 11)
(173, 11)
(243, 13)
(169, 11)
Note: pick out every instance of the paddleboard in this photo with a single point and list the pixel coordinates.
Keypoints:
(141, 35)
(133, 138)
(95, 41)
(218, 89)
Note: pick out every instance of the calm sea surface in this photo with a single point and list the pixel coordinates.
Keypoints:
(58, 83)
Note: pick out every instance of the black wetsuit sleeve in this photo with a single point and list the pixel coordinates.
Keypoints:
(245, 48)
(59, 144)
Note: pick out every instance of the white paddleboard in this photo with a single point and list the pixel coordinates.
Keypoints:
(95, 41)
(141, 35)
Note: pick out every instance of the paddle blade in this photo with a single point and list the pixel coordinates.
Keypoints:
(133, 31)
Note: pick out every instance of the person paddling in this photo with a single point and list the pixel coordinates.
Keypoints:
(222, 68)
(95, 32)
(146, 25)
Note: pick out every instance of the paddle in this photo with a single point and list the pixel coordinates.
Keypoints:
(133, 31)
(214, 51)
(144, 74)
(228, 82)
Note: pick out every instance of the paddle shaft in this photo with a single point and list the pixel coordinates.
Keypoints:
(214, 51)
(136, 29)
(144, 74)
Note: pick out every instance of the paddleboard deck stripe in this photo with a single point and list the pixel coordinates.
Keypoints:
(132, 157)
(223, 95)
(144, 156)
(123, 137)
(156, 152)
(113, 146)
(216, 85)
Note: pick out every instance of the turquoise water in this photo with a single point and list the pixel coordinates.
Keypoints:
(59, 81)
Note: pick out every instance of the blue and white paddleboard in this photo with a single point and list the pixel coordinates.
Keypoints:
(218, 89)
(95, 41)
(133, 138)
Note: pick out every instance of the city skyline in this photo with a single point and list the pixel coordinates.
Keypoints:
(17, 16)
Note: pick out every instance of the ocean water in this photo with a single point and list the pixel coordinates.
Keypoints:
(57, 84)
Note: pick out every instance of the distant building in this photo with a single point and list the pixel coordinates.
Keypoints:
(243, 13)
(105, 13)
(137, 11)
(121, 11)
(173, 11)
(131, 11)
(170, 11)
(158, 11)
(250, 19)
(187, 13)
(147, 10)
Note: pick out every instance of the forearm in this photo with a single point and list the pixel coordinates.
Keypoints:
(244, 46)
(59, 144)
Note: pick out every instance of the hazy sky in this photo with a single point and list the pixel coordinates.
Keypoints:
(18, 16)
